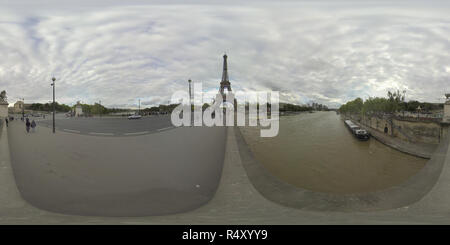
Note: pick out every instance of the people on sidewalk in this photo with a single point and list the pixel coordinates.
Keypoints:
(27, 125)
(33, 126)
(6, 120)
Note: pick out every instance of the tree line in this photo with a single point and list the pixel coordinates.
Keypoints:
(395, 102)
(49, 107)
(285, 107)
(98, 109)
(94, 109)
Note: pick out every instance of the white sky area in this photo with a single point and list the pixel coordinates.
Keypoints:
(328, 52)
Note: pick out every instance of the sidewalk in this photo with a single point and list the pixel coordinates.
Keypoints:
(422, 150)
(236, 201)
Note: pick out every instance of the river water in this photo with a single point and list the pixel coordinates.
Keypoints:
(315, 151)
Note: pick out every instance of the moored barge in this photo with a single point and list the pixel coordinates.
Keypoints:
(357, 131)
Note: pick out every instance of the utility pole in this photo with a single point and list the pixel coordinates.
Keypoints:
(54, 108)
(139, 106)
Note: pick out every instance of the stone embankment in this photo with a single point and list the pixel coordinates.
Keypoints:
(418, 149)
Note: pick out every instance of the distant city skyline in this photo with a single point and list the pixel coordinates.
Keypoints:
(329, 52)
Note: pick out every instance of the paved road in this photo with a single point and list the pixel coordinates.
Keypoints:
(163, 173)
(111, 126)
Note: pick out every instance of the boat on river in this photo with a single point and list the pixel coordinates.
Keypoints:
(357, 131)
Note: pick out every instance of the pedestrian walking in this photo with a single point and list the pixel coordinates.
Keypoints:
(6, 120)
(28, 124)
(33, 126)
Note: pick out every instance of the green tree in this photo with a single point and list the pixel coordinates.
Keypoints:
(394, 99)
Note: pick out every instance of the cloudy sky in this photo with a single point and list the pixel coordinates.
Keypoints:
(327, 51)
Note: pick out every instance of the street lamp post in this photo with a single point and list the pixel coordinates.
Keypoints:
(23, 108)
(54, 109)
(190, 100)
(190, 93)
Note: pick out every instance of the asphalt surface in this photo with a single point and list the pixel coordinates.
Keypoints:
(106, 126)
(167, 172)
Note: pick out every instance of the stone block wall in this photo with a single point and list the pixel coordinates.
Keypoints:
(378, 124)
(423, 132)
(3, 110)
(412, 131)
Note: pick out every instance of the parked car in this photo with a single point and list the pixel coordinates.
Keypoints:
(135, 117)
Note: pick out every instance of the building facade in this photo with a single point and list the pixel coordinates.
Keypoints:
(20, 107)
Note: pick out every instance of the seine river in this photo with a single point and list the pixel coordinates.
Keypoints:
(315, 151)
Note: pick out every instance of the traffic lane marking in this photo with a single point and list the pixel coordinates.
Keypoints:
(108, 134)
(161, 129)
(137, 133)
(72, 131)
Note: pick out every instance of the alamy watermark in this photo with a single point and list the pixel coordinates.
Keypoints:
(260, 106)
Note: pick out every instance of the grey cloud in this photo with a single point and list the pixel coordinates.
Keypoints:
(120, 52)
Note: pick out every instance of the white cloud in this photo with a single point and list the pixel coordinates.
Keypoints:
(328, 53)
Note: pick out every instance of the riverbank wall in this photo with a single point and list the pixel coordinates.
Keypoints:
(418, 138)
(412, 131)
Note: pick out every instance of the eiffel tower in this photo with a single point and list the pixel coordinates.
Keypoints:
(225, 83)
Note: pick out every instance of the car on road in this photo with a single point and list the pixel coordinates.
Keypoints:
(135, 117)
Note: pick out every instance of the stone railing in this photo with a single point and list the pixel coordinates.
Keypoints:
(418, 119)
(388, 116)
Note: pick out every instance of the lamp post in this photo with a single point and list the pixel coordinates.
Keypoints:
(190, 93)
(190, 100)
(54, 109)
(23, 108)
